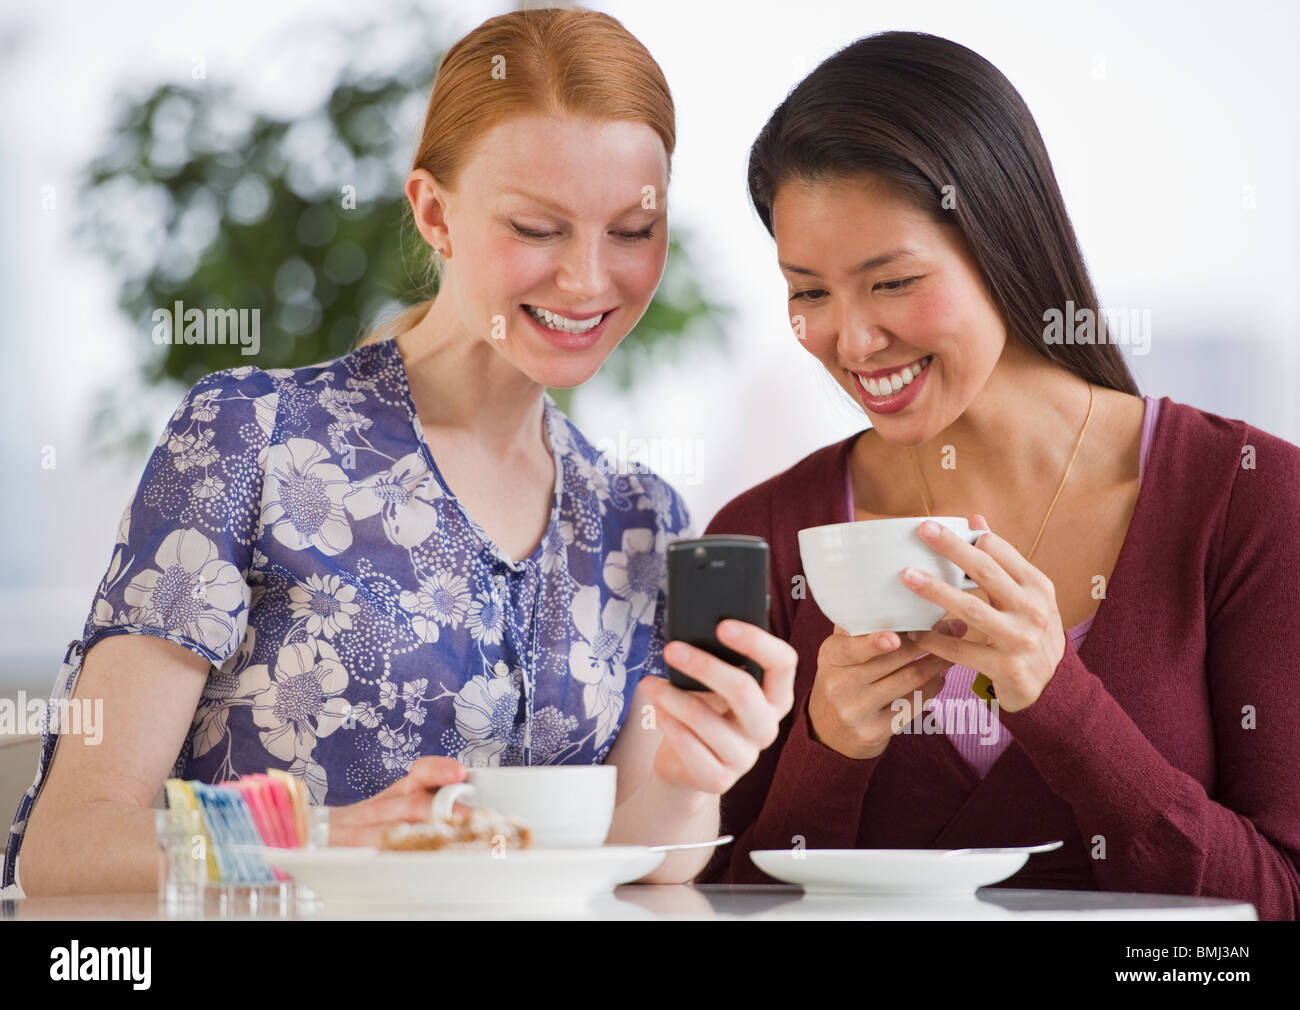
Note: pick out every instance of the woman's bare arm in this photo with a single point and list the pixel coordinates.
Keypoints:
(91, 830)
(648, 810)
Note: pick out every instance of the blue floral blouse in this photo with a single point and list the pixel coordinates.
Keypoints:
(293, 529)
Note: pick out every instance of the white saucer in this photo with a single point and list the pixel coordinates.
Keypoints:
(519, 876)
(887, 871)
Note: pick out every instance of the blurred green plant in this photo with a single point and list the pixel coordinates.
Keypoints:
(200, 197)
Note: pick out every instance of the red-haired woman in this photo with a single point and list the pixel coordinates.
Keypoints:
(378, 570)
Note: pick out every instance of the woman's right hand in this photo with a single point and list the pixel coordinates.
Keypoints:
(858, 679)
(408, 800)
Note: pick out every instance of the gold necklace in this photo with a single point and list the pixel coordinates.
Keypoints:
(916, 465)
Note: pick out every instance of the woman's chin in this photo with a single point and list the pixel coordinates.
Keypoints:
(559, 369)
(564, 374)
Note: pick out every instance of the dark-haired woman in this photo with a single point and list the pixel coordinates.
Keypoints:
(1140, 588)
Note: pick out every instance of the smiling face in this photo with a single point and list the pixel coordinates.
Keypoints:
(556, 236)
(884, 291)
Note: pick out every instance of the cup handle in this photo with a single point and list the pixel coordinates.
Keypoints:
(966, 581)
(444, 800)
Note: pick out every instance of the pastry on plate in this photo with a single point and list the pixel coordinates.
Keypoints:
(476, 828)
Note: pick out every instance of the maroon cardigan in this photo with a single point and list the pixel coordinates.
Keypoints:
(1139, 741)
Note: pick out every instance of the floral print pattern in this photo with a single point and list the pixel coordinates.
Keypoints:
(293, 529)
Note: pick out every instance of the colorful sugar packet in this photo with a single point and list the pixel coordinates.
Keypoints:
(268, 809)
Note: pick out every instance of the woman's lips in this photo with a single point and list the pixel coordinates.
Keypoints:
(568, 341)
(893, 402)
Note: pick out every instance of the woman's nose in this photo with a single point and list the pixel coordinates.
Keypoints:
(858, 337)
(582, 271)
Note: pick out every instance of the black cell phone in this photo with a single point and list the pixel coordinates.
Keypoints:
(710, 579)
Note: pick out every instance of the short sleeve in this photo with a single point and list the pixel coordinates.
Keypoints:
(184, 546)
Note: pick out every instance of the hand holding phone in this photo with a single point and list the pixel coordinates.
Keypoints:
(717, 719)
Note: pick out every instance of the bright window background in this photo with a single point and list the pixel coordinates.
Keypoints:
(1173, 131)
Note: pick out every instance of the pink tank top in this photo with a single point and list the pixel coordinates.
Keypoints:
(982, 744)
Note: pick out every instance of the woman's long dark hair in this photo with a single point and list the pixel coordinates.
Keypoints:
(927, 114)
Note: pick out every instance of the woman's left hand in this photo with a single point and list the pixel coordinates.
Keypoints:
(711, 738)
(1021, 619)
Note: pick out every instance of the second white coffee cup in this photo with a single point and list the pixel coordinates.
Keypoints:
(565, 806)
(853, 572)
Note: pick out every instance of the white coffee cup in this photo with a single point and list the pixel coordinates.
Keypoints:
(565, 806)
(853, 570)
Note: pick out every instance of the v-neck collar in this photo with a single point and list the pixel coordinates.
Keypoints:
(1127, 558)
(550, 424)
(1088, 623)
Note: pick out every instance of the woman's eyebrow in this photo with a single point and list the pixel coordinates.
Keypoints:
(565, 211)
(863, 267)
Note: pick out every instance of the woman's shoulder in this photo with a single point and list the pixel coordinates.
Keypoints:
(361, 367)
(244, 382)
(612, 476)
(1240, 485)
(1229, 476)
(227, 399)
(1199, 446)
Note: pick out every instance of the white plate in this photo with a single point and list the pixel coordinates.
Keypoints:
(520, 876)
(887, 871)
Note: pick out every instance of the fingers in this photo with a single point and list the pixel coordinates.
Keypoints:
(693, 754)
(690, 711)
(725, 680)
(370, 818)
(932, 687)
(408, 800)
(961, 604)
(956, 650)
(777, 657)
(912, 708)
(748, 703)
(1011, 560)
(427, 774)
(878, 664)
(843, 649)
(903, 681)
(973, 559)
(433, 771)
(764, 648)
(955, 627)
(749, 716)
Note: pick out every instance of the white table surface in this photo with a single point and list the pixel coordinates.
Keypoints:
(715, 901)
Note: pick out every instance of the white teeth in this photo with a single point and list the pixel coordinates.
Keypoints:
(889, 384)
(563, 324)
